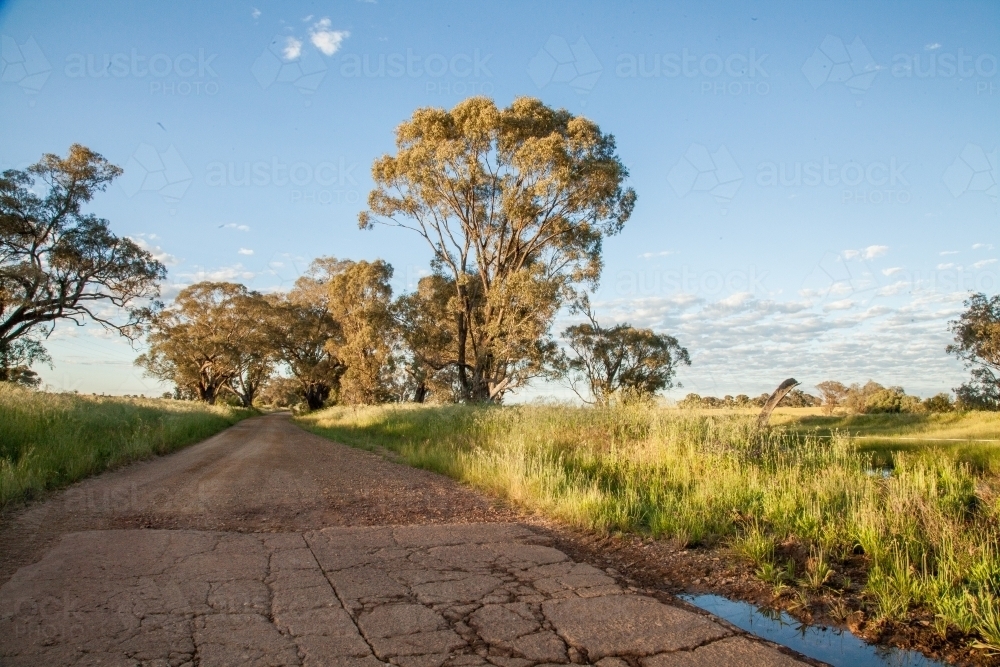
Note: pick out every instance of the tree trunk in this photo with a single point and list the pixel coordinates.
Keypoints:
(463, 377)
(420, 395)
(207, 393)
(315, 395)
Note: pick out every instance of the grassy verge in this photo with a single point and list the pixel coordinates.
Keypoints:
(926, 536)
(969, 437)
(50, 440)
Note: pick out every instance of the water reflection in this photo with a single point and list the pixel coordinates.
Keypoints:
(831, 645)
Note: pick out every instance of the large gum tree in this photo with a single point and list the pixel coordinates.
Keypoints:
(59, 262)
(514, 204)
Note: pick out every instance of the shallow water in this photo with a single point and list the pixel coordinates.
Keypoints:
(836, 647)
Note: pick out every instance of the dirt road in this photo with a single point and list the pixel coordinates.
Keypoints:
(267, 545)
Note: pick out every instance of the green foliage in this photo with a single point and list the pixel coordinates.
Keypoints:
(59, 263)
(977, 343)
(873, 398)
(622, 362)
(514, 204)
(938, 403)
(928, 530)
(212, 339)
(796, 398)
(50, 440)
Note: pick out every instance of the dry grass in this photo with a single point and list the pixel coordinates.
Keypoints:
(50, 440)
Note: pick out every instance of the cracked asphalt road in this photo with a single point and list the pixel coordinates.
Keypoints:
(266, 545)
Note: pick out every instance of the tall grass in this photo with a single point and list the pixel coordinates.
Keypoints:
(928, 530)
(49, 440)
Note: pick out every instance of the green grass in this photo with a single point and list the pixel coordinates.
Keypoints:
(50, 440)
(928, 531)
(966, 436)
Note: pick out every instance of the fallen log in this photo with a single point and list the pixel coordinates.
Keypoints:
(774, 399)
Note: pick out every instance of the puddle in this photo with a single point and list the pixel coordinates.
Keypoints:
(831, 645)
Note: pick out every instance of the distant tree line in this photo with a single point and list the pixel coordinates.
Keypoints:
(873, 398)
(869, 398)
(794, 399)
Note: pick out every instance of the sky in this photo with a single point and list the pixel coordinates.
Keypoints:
(817, 182)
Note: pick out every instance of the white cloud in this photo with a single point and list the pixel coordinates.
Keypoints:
(897, 287)
(948, 252)
(232, 273)
(326, 40)
(843, 304)
(233, 225)
(749, 345)
(293, 48)
(945, 267)
(158, 253)
(932, 47)
(245, 251)
(255, 13)
(981, 246)
(662, 253)
(839, 288)
(871, 252)
(891, 270)
(983, 263)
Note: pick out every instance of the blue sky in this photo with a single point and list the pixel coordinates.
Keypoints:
(817, 181)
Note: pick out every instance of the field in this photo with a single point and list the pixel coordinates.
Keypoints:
(50, 440)
(897, 530)
(972, 437)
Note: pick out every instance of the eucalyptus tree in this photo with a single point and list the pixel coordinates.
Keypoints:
(59, 262)
(620, 362)
(303, 334)
(977, 343)
(212, 339)
(514, 204)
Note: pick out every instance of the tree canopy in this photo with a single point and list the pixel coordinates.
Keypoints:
(977, 343)
(514, 204)
(622, 361)
(58, 262)
(211, 339)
